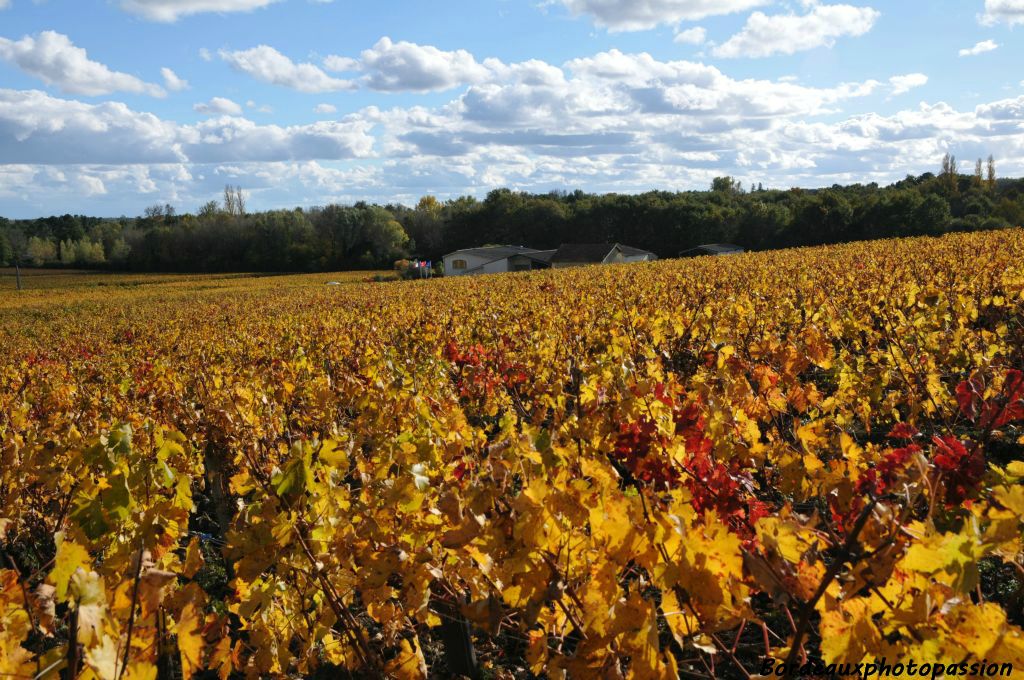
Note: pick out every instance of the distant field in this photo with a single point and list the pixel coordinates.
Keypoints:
(67, 279)
(43, 279)
(660, 470)
(100, 283)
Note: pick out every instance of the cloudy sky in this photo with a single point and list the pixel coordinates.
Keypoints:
(108, 106)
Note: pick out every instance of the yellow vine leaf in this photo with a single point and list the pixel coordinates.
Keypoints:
(90, 600)
(409, 664)
(190, 640)
(193, 558)
(70, 557)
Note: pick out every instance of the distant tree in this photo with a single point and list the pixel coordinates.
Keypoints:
(1011, 211)
(209, 209)
(39, 251)
(68, 252)
(90, 252)
(385, 239)
(429, 205)
(726, 185)
(950, 173)
(280, 240)
(119, 251)
(82, 251)
(234, 200)
(18, 243)
(240, 201)
(976, 180)
(932, 215)
(424, 225)
(226, 238)
(229, 200)
(6, 251)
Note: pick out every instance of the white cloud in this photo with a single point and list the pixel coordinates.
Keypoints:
(341, 64)
(1003, 110)
(4, 4)
(405, 66)
(55, 60)
(980, 48)
(233, 139)
(172, 10)
(905, 83)
(325, 108)
(639, 15)
(408, 67)
(765, 35)
(218, 106)
(267, 64)
(612, 80)
(39, 129)
(611, 121)
(171, 80)
(1008, 11)
(692, 36)
(205, 54)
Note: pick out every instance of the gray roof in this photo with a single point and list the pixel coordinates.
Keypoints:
(593, 252)
(541, 255)
(582, 252)
(714, 249)
(632, 252)
(494, 252)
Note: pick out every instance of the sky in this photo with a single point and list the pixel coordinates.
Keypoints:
(110, 106)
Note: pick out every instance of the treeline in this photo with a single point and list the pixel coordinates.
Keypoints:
(224, 237)
(215, 239)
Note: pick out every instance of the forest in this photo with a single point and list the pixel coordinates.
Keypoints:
(225, 237)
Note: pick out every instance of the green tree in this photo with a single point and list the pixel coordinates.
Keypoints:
(39, 251)
(384, 237)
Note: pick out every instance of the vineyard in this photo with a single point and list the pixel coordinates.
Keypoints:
(675, 469)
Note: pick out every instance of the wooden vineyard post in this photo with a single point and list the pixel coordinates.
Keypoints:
(72, 654)
(459, 654)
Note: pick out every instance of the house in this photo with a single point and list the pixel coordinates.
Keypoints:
(498, 259)
(712, 249)
(519, 262)
(579, 254)
(483, 260)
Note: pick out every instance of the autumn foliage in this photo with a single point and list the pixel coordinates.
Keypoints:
(645, 471)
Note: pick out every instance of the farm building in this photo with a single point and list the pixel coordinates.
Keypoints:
(469, 260)
(517, 262)
(498, 259)
(712, 249)
(579, 254)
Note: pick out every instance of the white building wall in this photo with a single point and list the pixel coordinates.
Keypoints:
(496, 267)
(472, 262)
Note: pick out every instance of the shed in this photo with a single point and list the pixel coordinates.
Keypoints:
(578, 254)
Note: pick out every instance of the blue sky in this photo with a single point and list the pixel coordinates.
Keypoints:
(108, 106)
